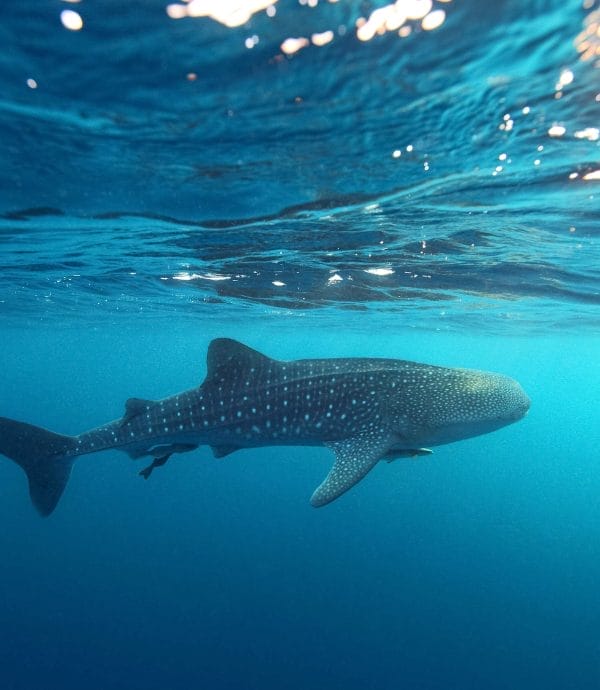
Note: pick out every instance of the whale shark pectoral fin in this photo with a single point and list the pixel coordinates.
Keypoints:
(354, 458)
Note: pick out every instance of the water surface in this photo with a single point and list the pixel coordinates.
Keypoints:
(429, 196)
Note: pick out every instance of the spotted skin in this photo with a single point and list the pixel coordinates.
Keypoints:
(364, 410)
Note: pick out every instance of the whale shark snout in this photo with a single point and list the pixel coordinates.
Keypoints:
(513, 402)
(467, 403)
(521, 403)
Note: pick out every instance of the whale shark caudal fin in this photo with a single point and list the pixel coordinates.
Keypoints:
(46, 457)
(354, 458)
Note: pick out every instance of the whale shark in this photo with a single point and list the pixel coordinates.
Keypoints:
(365, 410)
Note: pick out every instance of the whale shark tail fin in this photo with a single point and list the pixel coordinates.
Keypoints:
(46, 457)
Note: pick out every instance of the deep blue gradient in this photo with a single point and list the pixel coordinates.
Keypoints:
(143, 213)
(476, 567)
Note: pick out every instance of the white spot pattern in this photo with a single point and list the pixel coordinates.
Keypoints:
(356, 406)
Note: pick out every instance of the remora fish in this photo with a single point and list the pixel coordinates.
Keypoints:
(364, 410)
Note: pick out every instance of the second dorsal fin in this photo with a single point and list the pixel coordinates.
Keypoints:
(134, 407)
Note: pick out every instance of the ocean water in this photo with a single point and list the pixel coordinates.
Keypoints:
(314, 182)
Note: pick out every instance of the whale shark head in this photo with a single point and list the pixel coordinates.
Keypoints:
(477, 403)
(461, 403)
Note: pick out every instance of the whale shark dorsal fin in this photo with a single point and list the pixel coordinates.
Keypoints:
(354, 458)
(225, 353)
(134, 407)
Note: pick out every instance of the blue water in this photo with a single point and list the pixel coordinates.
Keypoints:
(162, 184)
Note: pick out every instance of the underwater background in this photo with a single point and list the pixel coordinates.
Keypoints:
(416, 180)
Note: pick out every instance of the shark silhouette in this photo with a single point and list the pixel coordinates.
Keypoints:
(364, 410)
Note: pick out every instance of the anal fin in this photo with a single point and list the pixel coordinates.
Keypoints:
(222, 451)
